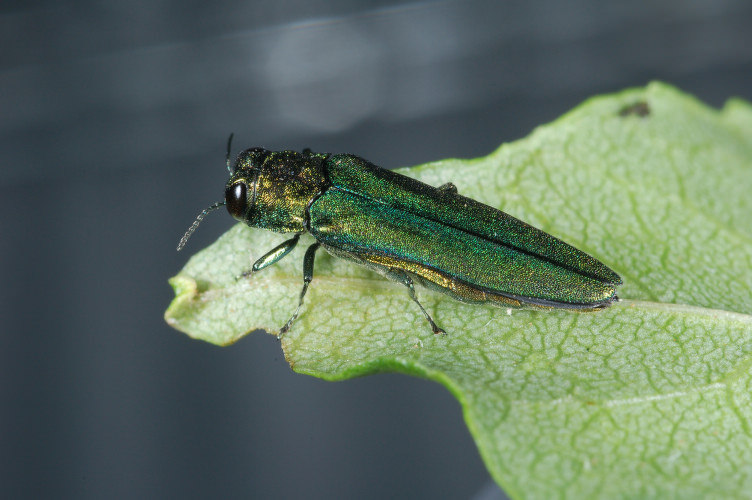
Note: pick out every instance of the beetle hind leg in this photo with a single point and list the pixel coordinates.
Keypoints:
(403, 278)
(448, 188)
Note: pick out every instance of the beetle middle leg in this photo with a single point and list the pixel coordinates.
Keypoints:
(402, 277)
(307, 278)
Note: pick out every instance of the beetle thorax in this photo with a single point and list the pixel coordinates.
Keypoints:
(281, 190)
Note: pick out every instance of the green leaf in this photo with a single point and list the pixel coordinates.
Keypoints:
(649, 398)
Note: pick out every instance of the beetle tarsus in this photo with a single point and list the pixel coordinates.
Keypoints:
(244, 274)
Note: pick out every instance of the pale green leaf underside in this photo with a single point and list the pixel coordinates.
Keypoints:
(649, 398)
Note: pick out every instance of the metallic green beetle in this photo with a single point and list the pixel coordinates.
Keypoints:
(407, 231)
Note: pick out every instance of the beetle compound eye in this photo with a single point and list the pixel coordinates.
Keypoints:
(235, 197)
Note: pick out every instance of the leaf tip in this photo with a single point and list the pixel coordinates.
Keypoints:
(186, 289)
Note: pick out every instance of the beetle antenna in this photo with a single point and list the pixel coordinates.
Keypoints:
(229, 146)
(198, 220)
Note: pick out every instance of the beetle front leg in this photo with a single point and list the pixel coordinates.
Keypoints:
(307, 278)
(274, 255)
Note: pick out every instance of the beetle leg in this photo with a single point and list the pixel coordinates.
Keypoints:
(448, 188)
(307, 277)
(274, 255)
(403, 278)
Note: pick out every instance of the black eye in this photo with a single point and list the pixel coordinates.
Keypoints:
(235, 198)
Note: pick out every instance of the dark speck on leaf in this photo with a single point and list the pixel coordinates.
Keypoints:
(640, 108)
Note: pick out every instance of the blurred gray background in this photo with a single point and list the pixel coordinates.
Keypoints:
(113, 122)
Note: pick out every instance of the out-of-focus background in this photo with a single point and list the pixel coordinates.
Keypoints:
(113, 122)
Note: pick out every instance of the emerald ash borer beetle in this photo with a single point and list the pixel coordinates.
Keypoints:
(408, 231)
